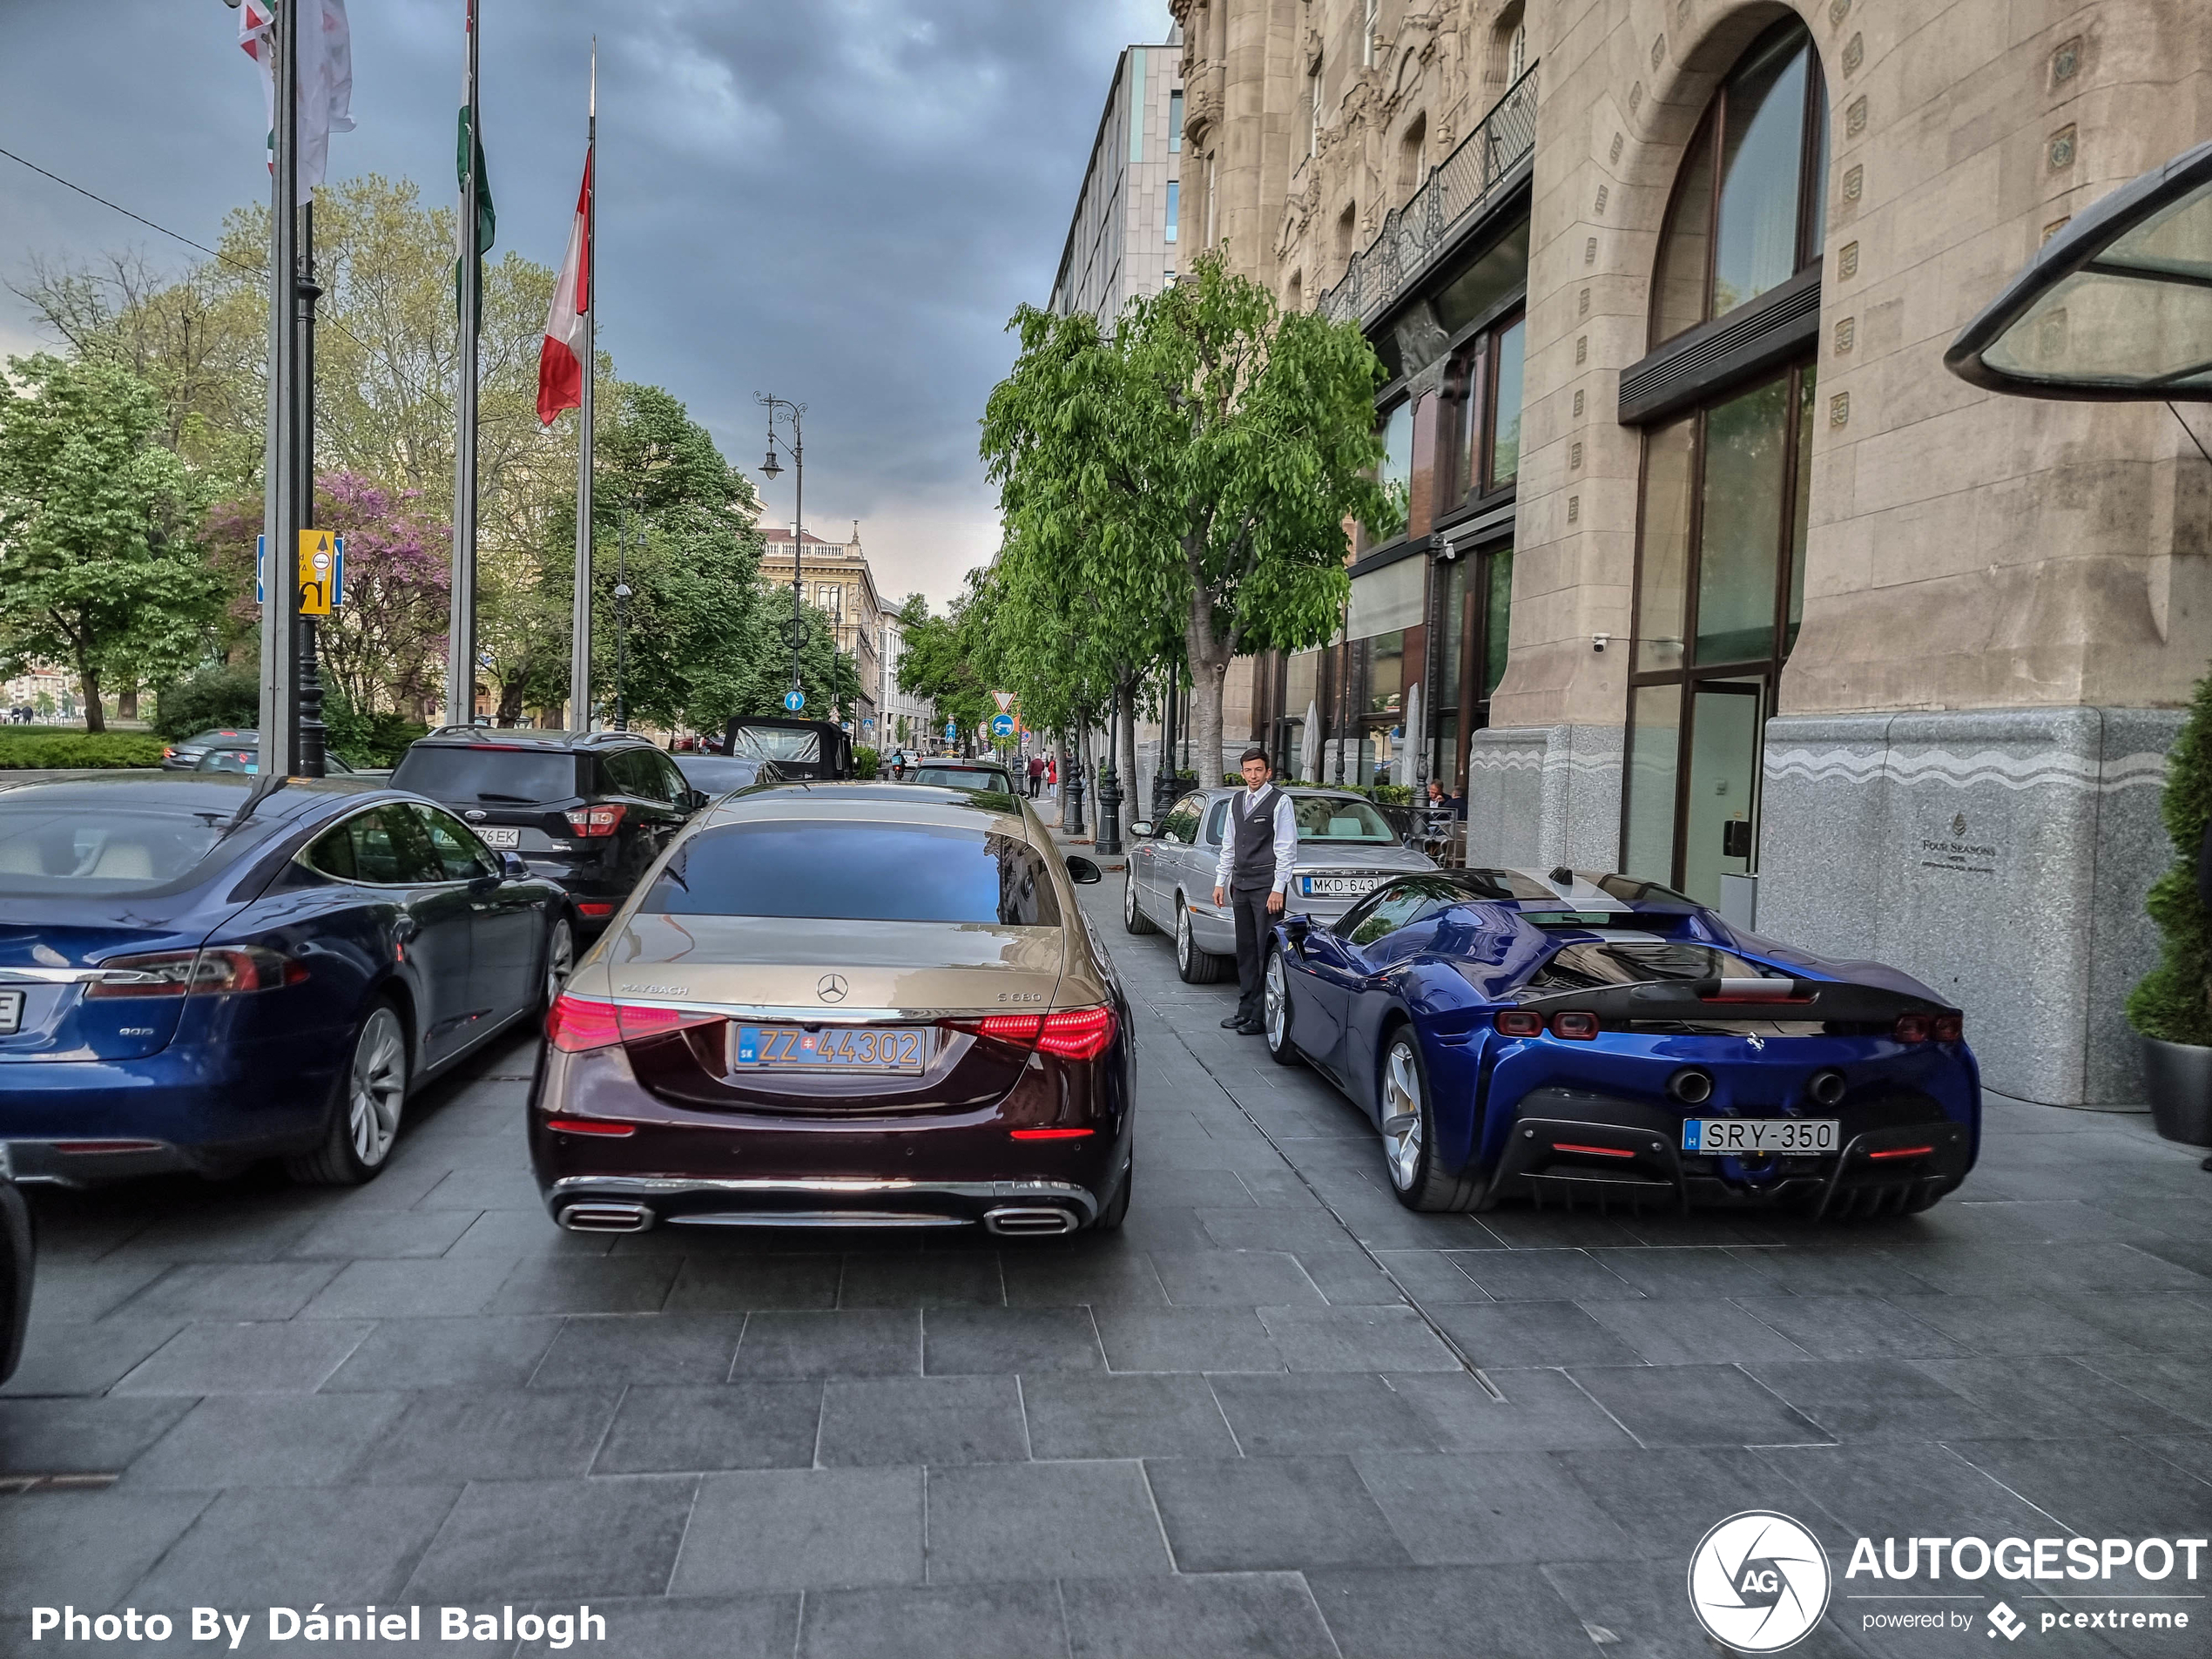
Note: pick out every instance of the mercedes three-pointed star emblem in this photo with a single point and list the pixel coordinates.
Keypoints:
(830, 988)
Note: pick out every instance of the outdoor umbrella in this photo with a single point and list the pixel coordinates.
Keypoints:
(1309, 748)
(1408, 758)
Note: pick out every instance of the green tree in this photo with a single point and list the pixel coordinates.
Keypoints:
(98, 567)
(945, 657)
(1201, 459)
(2174, 1000)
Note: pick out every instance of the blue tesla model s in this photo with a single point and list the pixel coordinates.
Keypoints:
(1590, 1036)
(200, 969)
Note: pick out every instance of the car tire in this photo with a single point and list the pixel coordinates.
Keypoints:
(560, 958)
(365, 1107)
(1133, 917)
(1110, 1219)
(1409, 1156)
(1195, 964)
(1275, 1014)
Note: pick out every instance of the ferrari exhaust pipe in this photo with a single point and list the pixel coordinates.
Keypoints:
(1826, 1087)
(606, 1218)
(1691, 1086)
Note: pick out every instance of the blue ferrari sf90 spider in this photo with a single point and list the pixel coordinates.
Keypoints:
(1594, 1037)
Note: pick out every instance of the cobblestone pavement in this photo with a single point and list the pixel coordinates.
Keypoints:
(1253, 1423)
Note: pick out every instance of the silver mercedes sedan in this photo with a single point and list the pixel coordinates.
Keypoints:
(1345, 846)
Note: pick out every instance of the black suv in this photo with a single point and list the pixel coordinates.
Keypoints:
(589, 810)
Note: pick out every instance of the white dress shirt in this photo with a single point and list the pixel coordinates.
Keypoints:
(1285, 839)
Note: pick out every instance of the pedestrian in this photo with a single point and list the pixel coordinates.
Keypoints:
(1036, 775)
(1259, 852)
(1052, 773)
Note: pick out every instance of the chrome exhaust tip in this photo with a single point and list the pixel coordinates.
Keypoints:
(1691, 1086)
(1826, 1087)
(606, 1218)
(1029, 1221)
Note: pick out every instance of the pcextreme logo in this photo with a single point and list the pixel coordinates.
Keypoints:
(1758, 1582)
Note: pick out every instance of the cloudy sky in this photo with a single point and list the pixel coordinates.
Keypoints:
(839, 202)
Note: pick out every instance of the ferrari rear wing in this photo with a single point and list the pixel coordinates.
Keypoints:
(1832, 1001)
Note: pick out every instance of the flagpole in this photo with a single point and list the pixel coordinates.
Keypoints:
(281, 494)
(580, 633)
(461, 625)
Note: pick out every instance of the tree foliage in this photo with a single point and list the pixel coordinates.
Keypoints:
(98, 566)
(1189, 472)
(2173, 1002)
(947, 657)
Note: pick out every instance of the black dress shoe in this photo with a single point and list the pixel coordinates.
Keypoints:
(1234, 1023)
(1255, 1030)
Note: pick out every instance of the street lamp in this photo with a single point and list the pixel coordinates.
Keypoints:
(795, 446)
(622, 620)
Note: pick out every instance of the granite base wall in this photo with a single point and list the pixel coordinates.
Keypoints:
(1538, 796)
(2001, 856)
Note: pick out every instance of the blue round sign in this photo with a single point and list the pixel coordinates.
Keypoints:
(1002, 725)
(794, 699)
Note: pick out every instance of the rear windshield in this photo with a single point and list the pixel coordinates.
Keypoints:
(487, 773)
(1326, 817)
(843, 872)
(776, 743)
(717, 774)
(83, 849)
(1640, 962)
(965, 778)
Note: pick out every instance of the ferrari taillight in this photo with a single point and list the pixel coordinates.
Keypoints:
(1911, 1027)
(1950, 1026)
(1575, 1025)
(1518, 1023)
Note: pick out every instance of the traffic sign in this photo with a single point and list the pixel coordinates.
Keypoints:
(1001, 725)
(952, 731)
(318, 571)
(868, 724)
(335, 579)
(794, 699)
(1004, 699)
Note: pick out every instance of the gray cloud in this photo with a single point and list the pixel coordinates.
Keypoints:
(839, 202)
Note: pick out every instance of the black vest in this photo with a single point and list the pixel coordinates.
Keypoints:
(1252, 832)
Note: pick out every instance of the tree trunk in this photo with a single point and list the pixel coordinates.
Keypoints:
(1208, 670)
(1125, 707)
(126, 704)
(88, 684)
(510, 702)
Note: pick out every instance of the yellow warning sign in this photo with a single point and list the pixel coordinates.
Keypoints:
(318, 571)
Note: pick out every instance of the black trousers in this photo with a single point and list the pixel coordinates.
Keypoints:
(1253, 924)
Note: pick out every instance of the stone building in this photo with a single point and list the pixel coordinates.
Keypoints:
(1123, 237)
(1708, 569)
(836, 579)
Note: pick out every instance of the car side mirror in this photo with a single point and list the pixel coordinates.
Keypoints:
(512, 868)
(1295, 929)
(1141, 829)
(695, 798)
(1082, 872)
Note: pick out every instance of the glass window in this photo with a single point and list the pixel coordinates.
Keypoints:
(1341, 817)
(1175, 203)
(1215, 820)
(385, 846)
(488, 771)
(1670, 468)
(1648, 847)
(90, 847)
(1396, 472)
(1454, 582)
(1745, 221)
(718, 774)
(1746, 443)
(777, 743)
(1589, 966)
(1182, 822)
(460, 856)
(1174, 133)
(1498, 272)
(1505, 421)
(1802, 508)
(1497, 619)
(857, 872)
(1385, 655)
(1397, 906)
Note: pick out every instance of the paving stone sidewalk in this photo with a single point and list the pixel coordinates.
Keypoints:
(1277, 1414)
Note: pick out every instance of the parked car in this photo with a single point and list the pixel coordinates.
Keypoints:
(587, 810)
(1583, 1035)
(201, 970)
(964, 774)
(184, 755)
(712, 774)
(843, 1005)
(1345, 848)
(18, 1253)
(246, 757)
(801, 749)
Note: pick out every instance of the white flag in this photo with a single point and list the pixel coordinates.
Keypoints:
(325, 79)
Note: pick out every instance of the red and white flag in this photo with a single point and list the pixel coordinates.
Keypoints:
(325, 78)
(560, 360)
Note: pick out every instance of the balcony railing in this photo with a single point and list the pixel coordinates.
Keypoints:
(1455, 191)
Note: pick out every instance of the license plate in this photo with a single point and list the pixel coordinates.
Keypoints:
(1337, 886)
(10, 1013)
(508, 838)
(1759, 1135)
(790, 1047)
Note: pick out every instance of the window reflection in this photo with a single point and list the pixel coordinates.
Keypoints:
(1505, 440)
(1396, 473)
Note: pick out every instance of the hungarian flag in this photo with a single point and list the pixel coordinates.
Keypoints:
(326, 52)
(560, 360)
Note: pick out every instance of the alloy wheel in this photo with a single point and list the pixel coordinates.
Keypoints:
(377, 1089)
(1401, 1115)
(560, 959)
(1183, 945)
(1277, 993)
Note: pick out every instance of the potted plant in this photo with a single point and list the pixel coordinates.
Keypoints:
(2171, 1010)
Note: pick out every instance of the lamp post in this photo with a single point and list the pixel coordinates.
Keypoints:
(1109, 783)
(622, 620)
(795, 446)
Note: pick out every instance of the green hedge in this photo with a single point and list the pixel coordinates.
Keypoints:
(2173, 1002)
(212, 697)
(27, 750)
(866, 762)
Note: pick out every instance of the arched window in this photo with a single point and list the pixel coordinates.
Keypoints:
(1751, 198)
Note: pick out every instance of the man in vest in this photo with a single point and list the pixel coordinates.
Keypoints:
(1259, 852)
